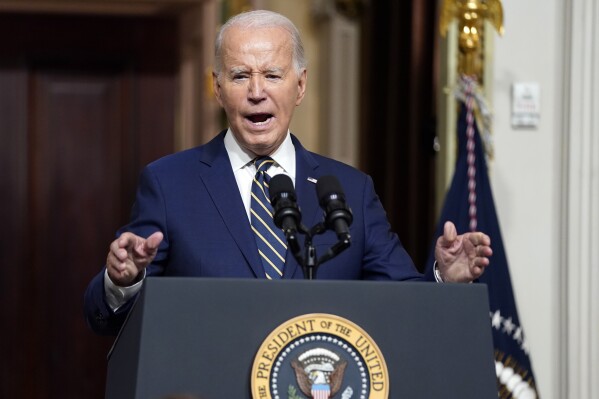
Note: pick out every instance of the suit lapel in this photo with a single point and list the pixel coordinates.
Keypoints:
(218, 178)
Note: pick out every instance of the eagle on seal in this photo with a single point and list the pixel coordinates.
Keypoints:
(319, 372)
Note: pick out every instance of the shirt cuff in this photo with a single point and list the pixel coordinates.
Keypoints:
(117, 296)
(437, 273)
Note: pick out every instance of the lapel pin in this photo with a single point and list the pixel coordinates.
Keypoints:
(312, 180)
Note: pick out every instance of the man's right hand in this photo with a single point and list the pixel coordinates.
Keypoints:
(129, 255)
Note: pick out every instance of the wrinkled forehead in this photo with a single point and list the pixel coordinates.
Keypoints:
(257, 46)
(258, 38)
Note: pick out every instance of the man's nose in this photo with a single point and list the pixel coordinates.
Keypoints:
(256, 88)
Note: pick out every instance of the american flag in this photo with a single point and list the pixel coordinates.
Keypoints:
(469, 203)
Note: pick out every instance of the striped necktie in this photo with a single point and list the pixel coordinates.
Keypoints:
(272, 246)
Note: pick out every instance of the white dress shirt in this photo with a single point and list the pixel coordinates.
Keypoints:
(244, 169)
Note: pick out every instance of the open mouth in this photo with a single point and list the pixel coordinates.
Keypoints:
(259, 119)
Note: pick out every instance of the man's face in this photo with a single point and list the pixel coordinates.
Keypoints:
(258, 86)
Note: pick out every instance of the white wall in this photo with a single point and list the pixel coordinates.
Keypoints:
(539, 183)
(524, 173)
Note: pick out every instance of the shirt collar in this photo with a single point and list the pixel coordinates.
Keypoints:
(284, 156)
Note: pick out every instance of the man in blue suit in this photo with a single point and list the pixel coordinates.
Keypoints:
(192, 211)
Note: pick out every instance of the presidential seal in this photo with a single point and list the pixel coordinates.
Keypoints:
(319, 356)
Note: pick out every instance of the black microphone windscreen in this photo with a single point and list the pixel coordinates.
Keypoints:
(328, 185)
(280, 183)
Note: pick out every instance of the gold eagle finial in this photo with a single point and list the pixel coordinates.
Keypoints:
(471, 15)
(463, 10)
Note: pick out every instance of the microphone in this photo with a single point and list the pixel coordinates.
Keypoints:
(338, 216)
(286, 214)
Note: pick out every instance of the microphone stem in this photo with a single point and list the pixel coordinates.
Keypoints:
(311, 262)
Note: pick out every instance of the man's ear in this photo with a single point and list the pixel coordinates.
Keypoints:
(301, 86)
(216, 87)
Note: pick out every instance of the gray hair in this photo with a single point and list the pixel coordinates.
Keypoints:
(261, 19)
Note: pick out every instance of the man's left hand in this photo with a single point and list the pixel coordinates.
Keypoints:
(462, 258)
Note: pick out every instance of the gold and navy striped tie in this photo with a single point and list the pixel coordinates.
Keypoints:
(272, 246)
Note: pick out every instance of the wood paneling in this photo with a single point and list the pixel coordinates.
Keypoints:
(85, 102)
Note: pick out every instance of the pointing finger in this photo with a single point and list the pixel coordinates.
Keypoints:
(146, 247)
(126, 240)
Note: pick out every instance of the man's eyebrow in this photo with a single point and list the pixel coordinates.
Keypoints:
(237, 70)
(274, 70)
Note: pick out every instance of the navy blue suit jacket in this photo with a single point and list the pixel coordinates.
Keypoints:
(192, 197)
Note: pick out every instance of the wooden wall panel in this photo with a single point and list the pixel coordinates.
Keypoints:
(85, 102)
(13, 232)
(76, 178)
